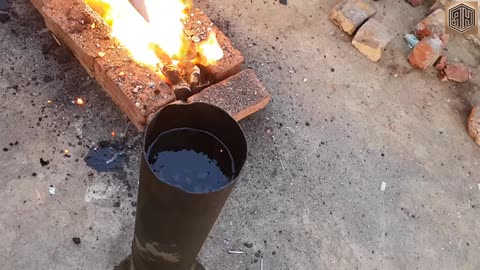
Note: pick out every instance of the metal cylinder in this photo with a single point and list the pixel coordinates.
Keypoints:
(172, 224)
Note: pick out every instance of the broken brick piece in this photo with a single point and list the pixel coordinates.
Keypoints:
(458, 72)
(426, 52)
(349, 15)
(371, 39)
(441, 63)
(433, 24)
(473, 124)
(240, 95)
(442, 77)
(415, 3)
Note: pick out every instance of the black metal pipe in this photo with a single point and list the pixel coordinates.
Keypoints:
(172, 224)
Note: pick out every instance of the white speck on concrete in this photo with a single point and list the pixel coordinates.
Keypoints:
(383, 186)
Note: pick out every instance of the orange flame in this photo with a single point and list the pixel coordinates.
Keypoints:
(164, 30)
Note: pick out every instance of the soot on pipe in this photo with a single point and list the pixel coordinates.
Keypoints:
(191, 159)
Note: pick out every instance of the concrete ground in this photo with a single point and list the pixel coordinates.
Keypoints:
(337, 127)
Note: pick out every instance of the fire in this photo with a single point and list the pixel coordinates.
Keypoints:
(210, 50)
(161, 40)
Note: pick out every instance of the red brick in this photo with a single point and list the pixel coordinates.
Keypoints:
(371, 39)
(458, 72)
(232, 60)
(349, 15)
(473, 125)
(432, 24)
(240, 95)
(442, 77)
(441, 63)
(425, 53)
(415, 3)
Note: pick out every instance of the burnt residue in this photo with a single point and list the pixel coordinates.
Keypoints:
(106, 157)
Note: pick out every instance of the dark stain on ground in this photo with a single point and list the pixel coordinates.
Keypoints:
(107, 157)
(44, 162)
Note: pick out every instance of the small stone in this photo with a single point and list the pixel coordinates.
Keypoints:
(473, 125)
(47, 78)
(441, 63)
(415, 3)
(196, 39)
(433, 24)
(371, 39)
(248, 245)
(458, 72)
(349, 15)
(102, 54)
(76, 240)
(426, 52)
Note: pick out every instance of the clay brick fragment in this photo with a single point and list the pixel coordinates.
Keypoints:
(433, 24)
(371, 39)
(442, 77)
(473, 125)
(458, 72)
(349, 15)
(426, 52)
(415, 3)
(441, 63)
(240, 95)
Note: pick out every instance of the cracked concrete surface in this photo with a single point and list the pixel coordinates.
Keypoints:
(309, 197)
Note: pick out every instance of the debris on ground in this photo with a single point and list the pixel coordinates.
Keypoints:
(473, 125)
(349, 15)
(415, 3)
(442, 76)
(411, 40)
(51, 190)
(458, 72)
(441, 63)
(76, 240)
(433, 24)
(106, 157)
(43, 162)
(383, 186)
(235, 252)
(283, 2)
(426, 52)
(371, 39)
